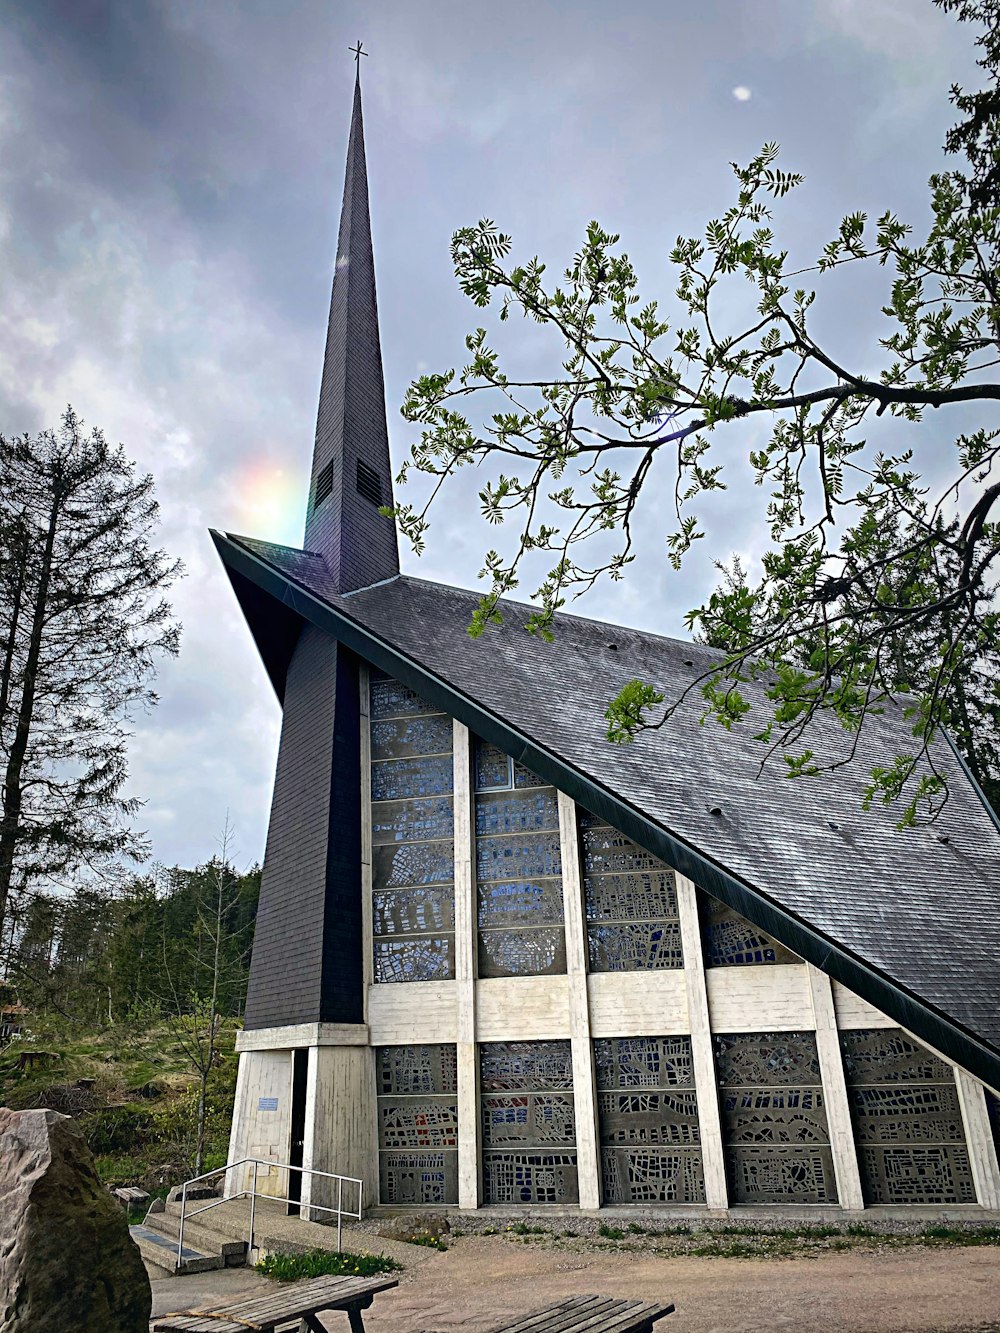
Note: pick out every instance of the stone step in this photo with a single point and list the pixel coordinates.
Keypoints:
(223, 1239)
(161, 1252)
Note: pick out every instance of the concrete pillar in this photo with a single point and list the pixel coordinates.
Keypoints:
(838, 1110)
(584, 1094)
(469, 1175)
(979, 1137)
(702, 1057)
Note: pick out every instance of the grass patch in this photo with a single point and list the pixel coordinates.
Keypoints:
(959, 1236)
(428, 1241)
(610, 1233)
(320, 1263)
(523, 1229)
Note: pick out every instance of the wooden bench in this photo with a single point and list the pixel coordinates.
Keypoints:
(297, 1304)
(588, 1314)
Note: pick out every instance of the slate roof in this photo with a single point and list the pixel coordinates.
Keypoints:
(907, 919)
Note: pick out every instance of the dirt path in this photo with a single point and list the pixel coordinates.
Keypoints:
(481, 1279)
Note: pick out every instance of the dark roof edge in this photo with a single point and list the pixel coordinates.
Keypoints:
(916, 1015)
(973, 780)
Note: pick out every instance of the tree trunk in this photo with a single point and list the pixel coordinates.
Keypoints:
(7, 671)
(10, 825)
(199, 1147)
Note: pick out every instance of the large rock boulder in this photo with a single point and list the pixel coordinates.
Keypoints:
(67, 1262)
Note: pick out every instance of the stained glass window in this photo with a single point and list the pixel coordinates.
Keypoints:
(529, 1125)
(730, 940)
(631, 903)
(907, 1120)
(413, 859)
(648, 1117)
(774, 1130)
(518, 869)
(417, 1124)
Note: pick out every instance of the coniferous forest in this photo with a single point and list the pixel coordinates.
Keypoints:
(122, 1012)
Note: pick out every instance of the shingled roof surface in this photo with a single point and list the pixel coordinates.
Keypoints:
(919, 906)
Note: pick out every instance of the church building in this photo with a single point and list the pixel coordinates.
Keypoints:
(501, 962)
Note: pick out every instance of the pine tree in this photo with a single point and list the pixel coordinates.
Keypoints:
(83, 620)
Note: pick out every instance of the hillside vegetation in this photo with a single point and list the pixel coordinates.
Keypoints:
(124, 1013)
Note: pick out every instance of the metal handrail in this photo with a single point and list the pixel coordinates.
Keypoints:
(253, 1196)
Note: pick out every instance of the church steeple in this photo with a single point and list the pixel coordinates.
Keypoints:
(351, 470)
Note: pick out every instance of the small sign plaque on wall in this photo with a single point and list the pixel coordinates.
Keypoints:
(267, 1103)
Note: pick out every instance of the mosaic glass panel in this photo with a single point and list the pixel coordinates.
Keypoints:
(398, 779)
(652, 1175)
(413, 912)
(409, 863)
(407, 821)
(781, 1174)
(424, 959)
(767, 1059)
(907, 1120)
(928, 1174)
(605, 851)
(408, 1071)
(648, 1120)
(412, 850)
(388, 698)
(516, 902)
(630, 900)
(516, 811)
(774, 1115)
(888, 1055)
(530, 1178)
(413, 1178)
(730, 940)
(907, 1113)
(648, 1117)
(775, 1136)
(493, 768)
(528, 1120)
(524, 1066)
(406, 737)
(531, 952)
(631, 946)
(643, 1062)
(519, 855)
(417, 1124)
(518, 871)
(529, 1126)
(639, 897)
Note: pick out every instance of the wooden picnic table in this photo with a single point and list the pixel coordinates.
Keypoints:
(590, 1314)
(299, 1302)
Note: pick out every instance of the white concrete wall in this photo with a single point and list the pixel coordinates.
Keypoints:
(264, 1078)
(341, 1134)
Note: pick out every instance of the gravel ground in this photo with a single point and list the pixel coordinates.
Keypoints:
(479, 1280)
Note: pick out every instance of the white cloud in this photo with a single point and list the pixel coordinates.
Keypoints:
(742, 93)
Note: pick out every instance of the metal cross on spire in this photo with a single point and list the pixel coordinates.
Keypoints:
(357, 53)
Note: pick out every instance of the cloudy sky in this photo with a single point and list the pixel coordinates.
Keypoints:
(170, 182)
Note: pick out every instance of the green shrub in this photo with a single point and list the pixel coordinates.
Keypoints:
(117, 1129)
(610, 1233)
(319, 1263)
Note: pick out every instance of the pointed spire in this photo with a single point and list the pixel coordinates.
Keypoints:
(351, 471)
